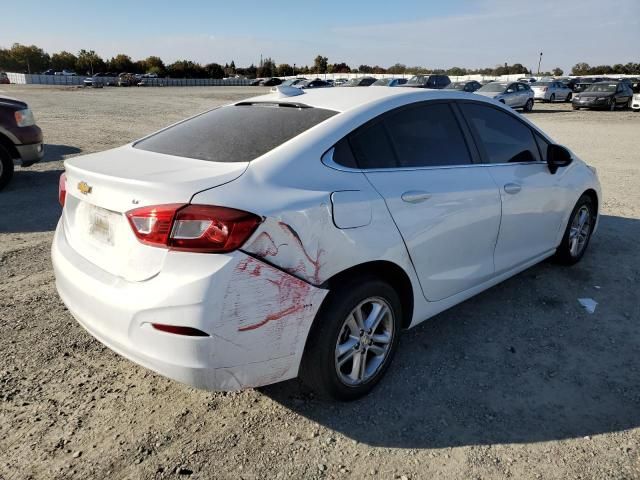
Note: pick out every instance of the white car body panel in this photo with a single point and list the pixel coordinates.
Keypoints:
(635, 102)
(259, 302)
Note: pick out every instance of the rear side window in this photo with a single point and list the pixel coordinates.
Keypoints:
(236, 133)
(427, 136)
(371, 147)
(503, 137)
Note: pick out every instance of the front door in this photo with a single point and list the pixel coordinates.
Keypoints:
(533, 204)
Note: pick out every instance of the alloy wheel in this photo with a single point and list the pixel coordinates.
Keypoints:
(364, 342)
(580, 231)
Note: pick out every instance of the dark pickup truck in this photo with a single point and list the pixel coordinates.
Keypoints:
(20, 138)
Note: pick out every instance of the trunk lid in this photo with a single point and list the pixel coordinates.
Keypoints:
(102, 187)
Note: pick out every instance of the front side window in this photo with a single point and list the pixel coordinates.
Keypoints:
(503, 138)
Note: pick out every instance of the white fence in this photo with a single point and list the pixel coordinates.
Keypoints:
(24, 78)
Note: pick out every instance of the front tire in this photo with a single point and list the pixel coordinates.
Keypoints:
(578, 232)
(612, 107)
(353, 339)
(568, 97)
(6, 167)
(552, 98)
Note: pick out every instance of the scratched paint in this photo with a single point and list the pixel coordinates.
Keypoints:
(280, 244)
(266, 314)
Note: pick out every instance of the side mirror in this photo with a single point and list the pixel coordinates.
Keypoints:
(510, 90)
(557, 156)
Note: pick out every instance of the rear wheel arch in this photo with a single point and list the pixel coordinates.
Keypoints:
(384, 270)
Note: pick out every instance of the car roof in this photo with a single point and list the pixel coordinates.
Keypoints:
(342, 100)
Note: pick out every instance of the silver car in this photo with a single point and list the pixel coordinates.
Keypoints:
(551, 91)
(514, 94)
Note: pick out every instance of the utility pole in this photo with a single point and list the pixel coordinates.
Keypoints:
(539, 62)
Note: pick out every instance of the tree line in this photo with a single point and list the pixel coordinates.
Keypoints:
(33, 59)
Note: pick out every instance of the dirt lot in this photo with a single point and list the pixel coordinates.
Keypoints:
(519, 382)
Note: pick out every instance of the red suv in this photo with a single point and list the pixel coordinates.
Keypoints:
(20, 138)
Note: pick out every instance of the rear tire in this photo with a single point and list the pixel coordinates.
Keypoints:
(578, 232)
(613, 105)
(6, 167)
(528, 106)
(552, 98)
(347, 353)
(568, 97)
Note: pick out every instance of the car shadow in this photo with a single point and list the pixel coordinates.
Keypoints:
(54, 153)
(30, 202)
(521, 362)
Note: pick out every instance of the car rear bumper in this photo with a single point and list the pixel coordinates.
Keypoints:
(30, 154)
(257, 317)
(541, 95)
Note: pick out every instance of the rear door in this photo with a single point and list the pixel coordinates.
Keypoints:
(446, 208)
(533, 201)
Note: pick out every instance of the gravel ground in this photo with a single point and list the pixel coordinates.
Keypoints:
(518, 382)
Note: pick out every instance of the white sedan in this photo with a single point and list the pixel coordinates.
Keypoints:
(551, 91)
(299, 232)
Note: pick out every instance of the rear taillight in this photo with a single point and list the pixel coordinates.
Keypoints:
(193, 228)
(62, 189)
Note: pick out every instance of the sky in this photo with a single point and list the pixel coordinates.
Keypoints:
(438, 34)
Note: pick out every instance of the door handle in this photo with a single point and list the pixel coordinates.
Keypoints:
(512, 188)
(415, 196)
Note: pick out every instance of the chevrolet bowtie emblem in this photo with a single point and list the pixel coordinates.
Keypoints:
(84, 188)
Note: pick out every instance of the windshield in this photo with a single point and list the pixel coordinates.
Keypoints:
(540, 84)
(494, 87)
(382, 82)
(236, 133)
(602, 87)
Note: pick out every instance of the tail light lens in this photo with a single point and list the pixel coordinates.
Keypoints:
(193, 228)
(62, 189)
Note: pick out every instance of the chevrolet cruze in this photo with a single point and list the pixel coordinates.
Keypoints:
(298, 233)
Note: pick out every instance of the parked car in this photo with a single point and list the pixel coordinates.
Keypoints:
(127, 80)
(271, 82)
(352, 231)
(360, 82)
(570, 82)
(635, 103)
(551, 91)
(469, 86)
(513, 94)
(257, 82)
(428, 81)
(66, 73)
(389, 82)
(20, 138)
(292, 82)
(317, 83)
(4, 79)
(340, 81)
(586, 82)
(97, 81)
(604, 95)
(50, 71)
(527, 80)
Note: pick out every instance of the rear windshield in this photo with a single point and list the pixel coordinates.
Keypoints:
(493, 87)
(236, 133)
